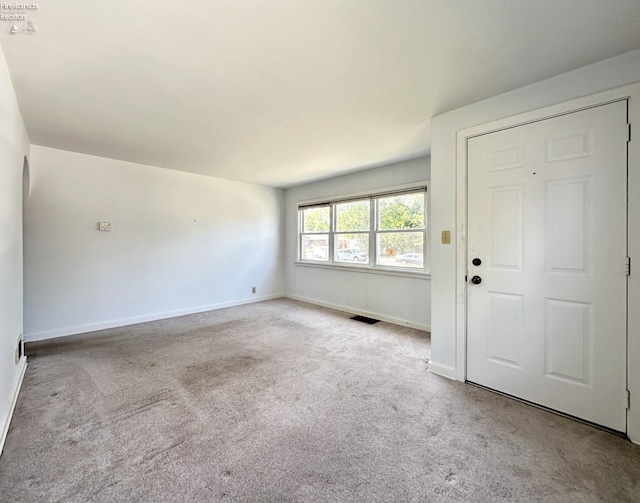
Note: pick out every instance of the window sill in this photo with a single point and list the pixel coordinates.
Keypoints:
(367, 269)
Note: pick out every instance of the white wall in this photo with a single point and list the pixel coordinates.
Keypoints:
(14, 145)
(447, 348)
(179, 243)
(404, 300)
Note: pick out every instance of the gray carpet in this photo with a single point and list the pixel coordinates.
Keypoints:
(285, 402)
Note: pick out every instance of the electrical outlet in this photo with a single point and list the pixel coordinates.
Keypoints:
(253, 289)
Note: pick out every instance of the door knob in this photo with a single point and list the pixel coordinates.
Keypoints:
(476, 261)
(476, 280)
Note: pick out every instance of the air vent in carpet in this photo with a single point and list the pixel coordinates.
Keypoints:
(364, 319)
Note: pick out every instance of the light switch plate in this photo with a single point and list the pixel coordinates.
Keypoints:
(104, 226)
(446, 237)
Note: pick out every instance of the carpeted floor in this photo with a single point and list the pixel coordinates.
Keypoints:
(285, 402)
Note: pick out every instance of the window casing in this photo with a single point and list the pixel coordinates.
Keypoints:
(315, 224)
(383, 231)
(351, 231)
(401, 230)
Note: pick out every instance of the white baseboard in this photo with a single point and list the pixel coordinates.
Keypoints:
(444, 371)
(92, 327)
(368, 314)
(8, 414)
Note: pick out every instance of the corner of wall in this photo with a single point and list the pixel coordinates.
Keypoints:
(14, 146)
(7, 415)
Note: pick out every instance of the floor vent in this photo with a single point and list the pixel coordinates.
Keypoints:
(364, 319)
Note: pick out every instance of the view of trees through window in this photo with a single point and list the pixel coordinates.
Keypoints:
(401, 228)
(398, 227)
(351, 238)
(316, 223)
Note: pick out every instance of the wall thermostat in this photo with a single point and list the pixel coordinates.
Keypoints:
(104, 226)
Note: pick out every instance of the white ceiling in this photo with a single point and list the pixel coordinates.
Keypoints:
(279, 92)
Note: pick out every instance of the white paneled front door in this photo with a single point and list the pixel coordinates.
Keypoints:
(547, 246)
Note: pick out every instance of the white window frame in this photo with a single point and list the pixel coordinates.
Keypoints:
(302, 234)
(374, 232)
(335, 233)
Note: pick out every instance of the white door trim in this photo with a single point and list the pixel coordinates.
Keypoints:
(632, 93)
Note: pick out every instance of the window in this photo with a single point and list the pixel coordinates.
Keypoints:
(315, 233)
(351, 235)
(385, 231)
(400, 233)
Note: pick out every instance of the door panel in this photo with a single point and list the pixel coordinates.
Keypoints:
(507, 226)
(567, 242)
(505, 328)
(547, 218)
(568, 348)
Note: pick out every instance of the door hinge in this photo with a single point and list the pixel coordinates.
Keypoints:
(628, 266)
(628, 399)
(628, 132)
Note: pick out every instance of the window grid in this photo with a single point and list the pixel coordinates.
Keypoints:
(350, 248)
(395, 257)
(314, 244)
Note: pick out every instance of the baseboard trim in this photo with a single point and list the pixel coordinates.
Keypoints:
(92, 327)
(444, 371)
(368, 314)
(8, 415)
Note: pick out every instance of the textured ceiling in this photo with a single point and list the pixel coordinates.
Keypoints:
(280, 92)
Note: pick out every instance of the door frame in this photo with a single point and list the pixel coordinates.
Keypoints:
(632, 94)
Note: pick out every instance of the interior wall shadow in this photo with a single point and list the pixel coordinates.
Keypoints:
(26, 186)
